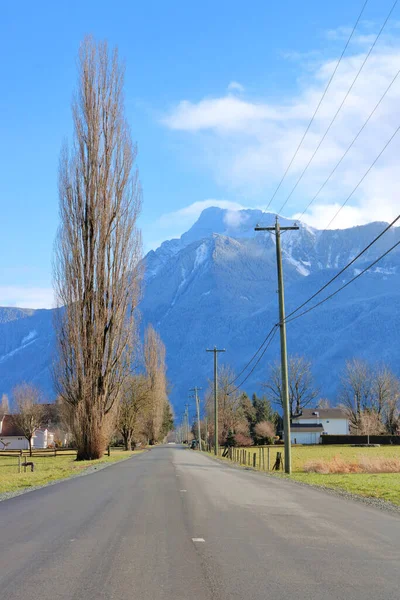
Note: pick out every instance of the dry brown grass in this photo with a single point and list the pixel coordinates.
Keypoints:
(363, 465)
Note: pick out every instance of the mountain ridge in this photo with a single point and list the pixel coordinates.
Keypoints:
(216, 285)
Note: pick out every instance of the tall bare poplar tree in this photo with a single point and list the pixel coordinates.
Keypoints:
(97, 251)
(154, 357)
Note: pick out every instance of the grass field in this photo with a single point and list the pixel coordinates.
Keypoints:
(48, 468)
(375, 485)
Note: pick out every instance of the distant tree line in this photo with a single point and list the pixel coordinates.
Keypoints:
(368, 394)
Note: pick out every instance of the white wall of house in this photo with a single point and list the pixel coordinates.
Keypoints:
(16, 443)
(331, 426)
(305, 437)
(42, 438)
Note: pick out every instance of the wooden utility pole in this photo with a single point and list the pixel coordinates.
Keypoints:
(195, 390)
(187, 422)
(282, 327)
(215, 350)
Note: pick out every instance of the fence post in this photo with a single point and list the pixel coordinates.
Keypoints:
(259, 459)
(248, 458)
(19, 462)
(269, 464)
(254, 460)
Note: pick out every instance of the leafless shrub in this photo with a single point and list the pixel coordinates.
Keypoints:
(242, 440)
(265, 432)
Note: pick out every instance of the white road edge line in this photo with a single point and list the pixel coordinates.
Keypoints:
(198, 540)
(183, 490)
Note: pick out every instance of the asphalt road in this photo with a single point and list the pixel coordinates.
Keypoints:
(127, 532)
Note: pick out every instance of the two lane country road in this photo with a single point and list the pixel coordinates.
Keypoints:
(174, 524)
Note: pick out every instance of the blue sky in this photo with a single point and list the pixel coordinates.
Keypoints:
(217, 94)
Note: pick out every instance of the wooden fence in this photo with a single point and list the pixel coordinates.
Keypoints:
(15, 459)
(262, 458)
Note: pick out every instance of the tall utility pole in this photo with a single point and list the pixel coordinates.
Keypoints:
(215, 350)
(195, 390)
(282, 327)
(187, 422)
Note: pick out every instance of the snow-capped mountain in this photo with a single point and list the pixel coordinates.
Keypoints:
(216, 285)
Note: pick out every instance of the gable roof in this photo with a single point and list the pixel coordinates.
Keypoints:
(322, 413)
(9, 428)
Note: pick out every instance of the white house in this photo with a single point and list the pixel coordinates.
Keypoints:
(43, 438)
(12, 438)
(311, 423)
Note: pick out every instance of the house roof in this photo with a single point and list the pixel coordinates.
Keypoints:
(323, 413)
(8, 427)
(306, 427)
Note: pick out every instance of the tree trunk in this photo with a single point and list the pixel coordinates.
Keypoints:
(30, 446)
(128, 442)
(91, 448)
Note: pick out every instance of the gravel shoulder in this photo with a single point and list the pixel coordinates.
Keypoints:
(378, 503)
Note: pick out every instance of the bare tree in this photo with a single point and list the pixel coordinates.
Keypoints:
(231, 407)
(302, 390)
(30, 412)
(97, 277)
(154, 358)
(370, 424)
(168, 419)
(387, 399)
(323, 403)
(132, 407)
(356, 390)
(385, 388)
(4, 405)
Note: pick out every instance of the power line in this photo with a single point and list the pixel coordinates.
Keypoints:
(254, 355)
(318, 106)
(344, 268)
(363, 177)
(351, 145)
(254, 367)
(338, 110)
(346, 284)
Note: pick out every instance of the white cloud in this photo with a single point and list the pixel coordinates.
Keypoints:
(183, 218)
(26, 297)
(221, 114)
(247, 144)
(235, 86)
(234, 219)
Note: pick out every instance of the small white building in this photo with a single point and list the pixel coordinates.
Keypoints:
(42, 438)
(12, 438)
(311, 423)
